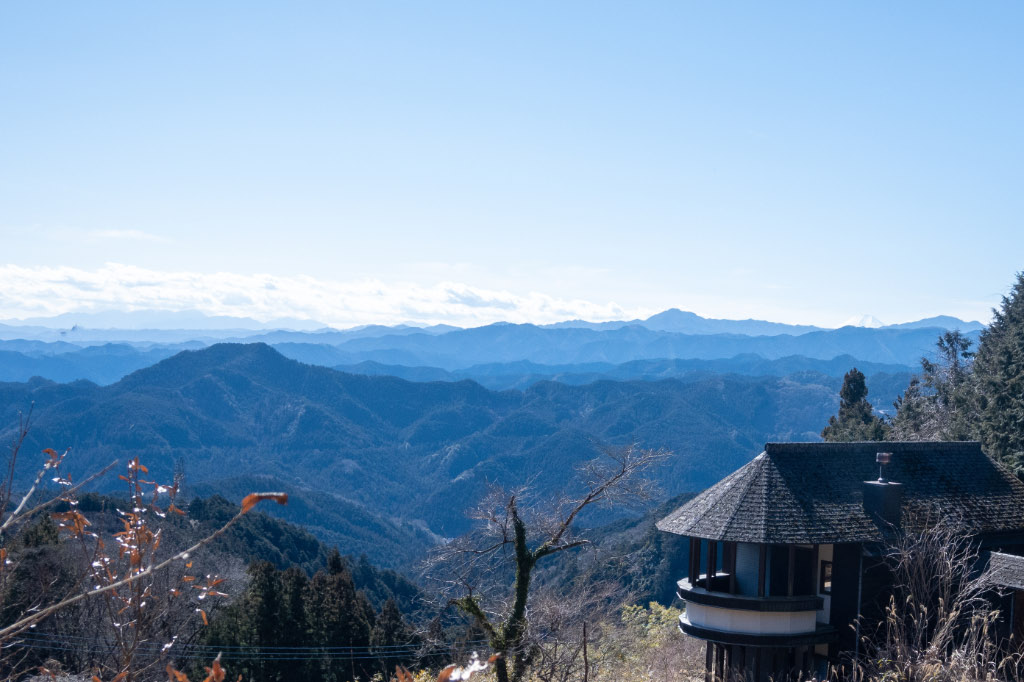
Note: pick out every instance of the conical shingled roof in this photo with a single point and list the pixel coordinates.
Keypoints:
(813, 493)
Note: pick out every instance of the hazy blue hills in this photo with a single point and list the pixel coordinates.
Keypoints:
(522, 374)
(405, 458)
(940, 321)
(100, 364)
(151, 326)
(675, 320)
(515, 356)
(681, 321)
(669, 344)
(510, 343)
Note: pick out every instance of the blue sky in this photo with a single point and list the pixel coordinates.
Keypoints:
(467, 162)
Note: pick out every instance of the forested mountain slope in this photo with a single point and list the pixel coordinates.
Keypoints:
(408, 457)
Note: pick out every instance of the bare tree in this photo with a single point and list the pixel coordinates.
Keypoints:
(566, 623)
(492, 568)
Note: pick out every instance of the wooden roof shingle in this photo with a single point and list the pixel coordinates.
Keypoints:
(1007, 570)
(813, 493)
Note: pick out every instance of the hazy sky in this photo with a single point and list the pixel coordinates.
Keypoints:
(467, 162)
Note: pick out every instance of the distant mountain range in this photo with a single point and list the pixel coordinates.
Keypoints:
(503, 355)
(523, 374)
(675, 320)
(151, 326)
(503, 343)
(404, 459)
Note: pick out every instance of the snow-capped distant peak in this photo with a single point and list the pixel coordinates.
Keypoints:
(869, 321)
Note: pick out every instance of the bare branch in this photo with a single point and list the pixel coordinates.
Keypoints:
(28, 621)
(70, 491)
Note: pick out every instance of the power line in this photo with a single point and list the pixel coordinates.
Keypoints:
(46, 641)
(232, 656)
(408, 646)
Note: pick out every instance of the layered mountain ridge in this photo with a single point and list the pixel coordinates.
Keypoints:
(404, 458)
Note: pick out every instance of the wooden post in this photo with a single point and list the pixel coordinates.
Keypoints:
(694, 561)
(762, 566)
(712, 561)
(792, 570)
(731, 548)
(720, 661)
(815, 569)
(709, 663)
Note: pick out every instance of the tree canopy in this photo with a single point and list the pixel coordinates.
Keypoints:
(941, 404)
(856, 419)
(999, 371)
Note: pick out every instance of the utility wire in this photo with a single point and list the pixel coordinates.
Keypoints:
(408, 646)
(236, 656)
(205, 652)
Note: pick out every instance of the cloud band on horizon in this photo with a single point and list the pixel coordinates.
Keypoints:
(48, 291)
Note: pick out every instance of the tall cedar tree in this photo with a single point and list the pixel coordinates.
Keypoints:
(389, 633)
(261, 627)
(253, 623)
(999, 368)
(856, 420)
(337, 616)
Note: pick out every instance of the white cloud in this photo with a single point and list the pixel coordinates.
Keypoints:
(45, 291)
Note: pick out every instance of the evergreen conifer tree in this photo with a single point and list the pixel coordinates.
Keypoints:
(292, 619)
(261, 626)
(942, 404)
(336, 617)
(856, 420)
(390, 635)
(999, 368)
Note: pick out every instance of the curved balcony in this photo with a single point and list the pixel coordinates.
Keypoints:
(720, 616)
(720, 596)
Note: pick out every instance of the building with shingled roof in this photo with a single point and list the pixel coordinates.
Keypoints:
(787, 552)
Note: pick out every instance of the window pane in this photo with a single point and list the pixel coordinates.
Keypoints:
(825, 586)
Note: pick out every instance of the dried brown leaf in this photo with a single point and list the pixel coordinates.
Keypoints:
(215, 673)
(252, 499)
(175, 675)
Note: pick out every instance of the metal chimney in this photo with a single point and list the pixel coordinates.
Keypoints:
(882, 458)
(883, 499)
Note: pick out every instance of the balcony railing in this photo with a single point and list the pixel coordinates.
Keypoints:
(719, 596)
(721, 616)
